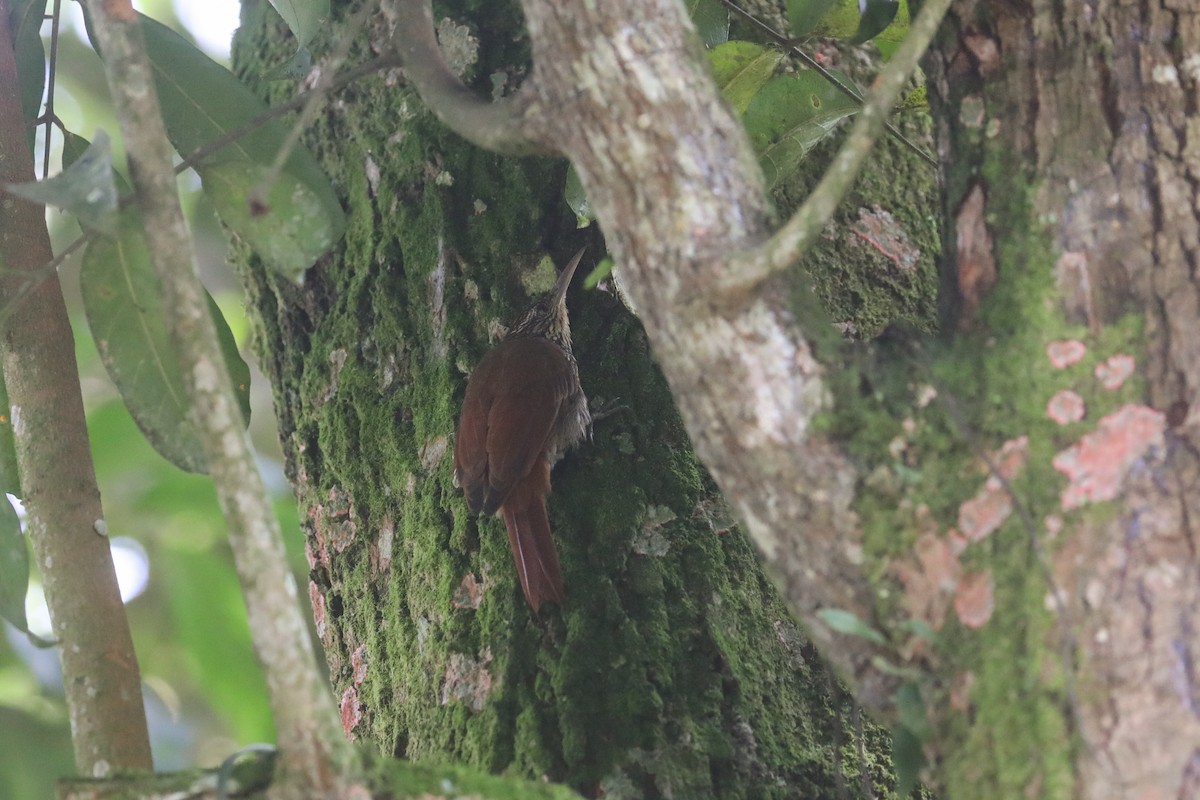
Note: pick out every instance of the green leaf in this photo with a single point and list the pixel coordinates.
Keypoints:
(907, 760)
(576, 198)
(789, 116)
(848, 623)
(840, 22)
(888, 668)
(711, 19)
(912, 709)
(202, 101)
(847, 21)
(303, 17)
(10, 476)
(602, 271)
(25, 20)
(294, 69)
(889, 40)
(123, 304)
(14, 567)
(75, 146)
(294, 231)
(741, 69)
(803, 15)
(919, 627)
(85, 188)
(877, 15)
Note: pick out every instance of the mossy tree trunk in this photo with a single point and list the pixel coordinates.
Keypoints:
(1009, 505)
(1070, 149)
(674, 669)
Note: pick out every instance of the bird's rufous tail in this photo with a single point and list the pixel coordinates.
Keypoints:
(533, 548)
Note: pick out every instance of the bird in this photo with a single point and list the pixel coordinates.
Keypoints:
(524, 408)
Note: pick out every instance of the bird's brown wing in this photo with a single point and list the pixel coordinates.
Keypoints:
(513, 398)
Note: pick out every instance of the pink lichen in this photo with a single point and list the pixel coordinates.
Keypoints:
(975, 599)
(1065, 352)
(880, 230)
(929, 583)
(1113, 371)
(467, 680)
(1098, 463)
(1065, 407)
(992, 505)
(984, 513)
(318, 606)
(1009, 461)
(468, 593)
(351, 711)
(359, 660)
(957, 542)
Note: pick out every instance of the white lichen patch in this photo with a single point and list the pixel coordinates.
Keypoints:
(1165, 75)
(458, 46)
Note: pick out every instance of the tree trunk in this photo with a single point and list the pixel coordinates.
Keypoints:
(1004, 509)
(673, 669)
(1071, 189)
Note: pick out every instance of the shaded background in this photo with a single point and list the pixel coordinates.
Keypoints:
(204, 691)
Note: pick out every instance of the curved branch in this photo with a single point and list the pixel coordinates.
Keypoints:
(789, 243)
(501, 127)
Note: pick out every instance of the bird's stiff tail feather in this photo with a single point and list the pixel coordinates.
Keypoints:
(533, 548)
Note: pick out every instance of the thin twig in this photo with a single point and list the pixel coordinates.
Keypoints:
(193, 158)
(34, 277)
(849, 90)
(785, 247)
(312, 106)
(1068, 647)
(499, 126)
(49, 115)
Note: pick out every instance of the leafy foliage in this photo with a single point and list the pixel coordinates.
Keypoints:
(805, 14)
(128, 320)
(788, 116)
(856, 21)
(303, 17)
(202, 101)
(741, 69)
(14, 567)
(850, 624)
(10, 481)
(711, 19)
(25, 20)
(86, 188)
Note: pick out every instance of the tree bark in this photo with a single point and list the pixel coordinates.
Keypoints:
(1071, 165)
(65, 520)
(1008, 505)
(674, 669)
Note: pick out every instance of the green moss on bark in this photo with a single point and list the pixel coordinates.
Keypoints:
(927, 419)
(673, 669)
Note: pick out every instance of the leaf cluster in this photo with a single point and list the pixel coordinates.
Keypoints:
(289, 214)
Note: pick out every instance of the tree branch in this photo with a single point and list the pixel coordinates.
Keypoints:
(312, 750)
(499, 126)
(65, 519)
(756, 265)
